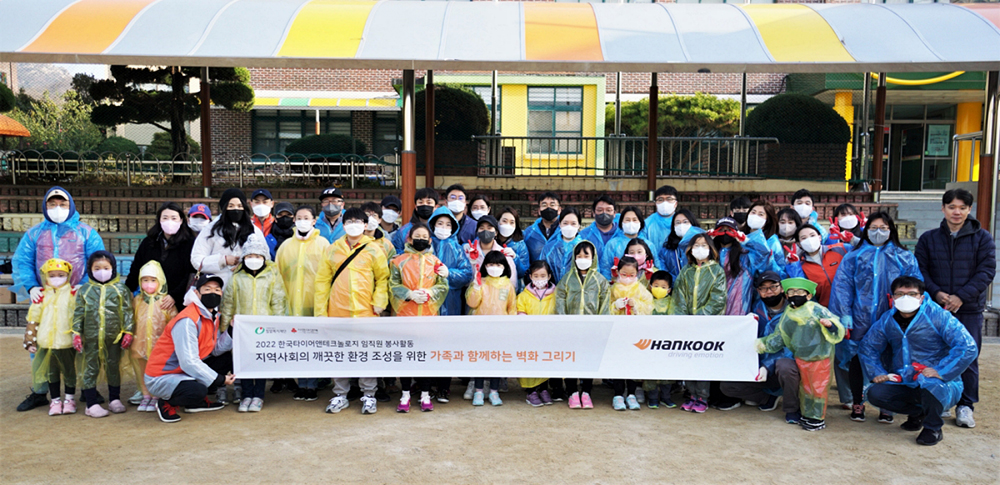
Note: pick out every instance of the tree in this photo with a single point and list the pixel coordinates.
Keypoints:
(698, 115)
(160, 148)
(62, 127)
(797, 118)
(159, 96)
(118, 145)
(81, 84)
(8, 100)
(458, 111)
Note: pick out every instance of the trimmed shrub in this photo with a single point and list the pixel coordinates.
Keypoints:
(797, 118)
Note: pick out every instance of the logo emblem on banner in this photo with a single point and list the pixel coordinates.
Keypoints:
(643, 344)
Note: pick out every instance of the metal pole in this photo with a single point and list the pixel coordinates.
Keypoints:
(206, 135)
(742, 157)
(493, 104)
(429, 129)
(865, 139)
(987, 161)
(879, 135)
(409, 156)
(618, 104)
(317, 122)
(654, 102)
(493, 146)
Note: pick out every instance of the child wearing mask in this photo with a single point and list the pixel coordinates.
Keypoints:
(661, 283)
(492, 293)
(673, 252)
(48, 337)
(539, 298)
(640, 252)
(629, 297)
(150, 319)
(845, 226)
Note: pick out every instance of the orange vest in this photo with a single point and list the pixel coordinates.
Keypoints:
(164, 349)
(265, 225)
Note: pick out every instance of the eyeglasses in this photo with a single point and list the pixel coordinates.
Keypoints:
(456, 197)
(666, 199)
(797, 292)
(769, 288)
(900, 294)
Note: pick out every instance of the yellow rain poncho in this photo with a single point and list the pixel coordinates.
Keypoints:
(298, 261)
(496, 296)
(150, 319)
(50, 330)
(246, 294)
(534, 302)
(639, 298)
(663, 306)
(361, 286)
(700, 290)
(414, 270)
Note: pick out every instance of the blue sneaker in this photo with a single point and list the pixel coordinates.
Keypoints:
(477, 398)
(618, 403)
(495, 398)
(633, 402)
(652, 402)
(793, 418)
(770, 405)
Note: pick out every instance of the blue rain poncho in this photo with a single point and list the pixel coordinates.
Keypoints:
(674, 260)
(656, 230)
(593, 234)
(559, 254)
(615, 248)
(535, 240)
(451, 254)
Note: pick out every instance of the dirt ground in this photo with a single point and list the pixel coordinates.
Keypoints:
(297, 442)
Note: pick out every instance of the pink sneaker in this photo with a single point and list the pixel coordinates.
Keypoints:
(96, 411)
(687, 405)
(69, 406)
(117, 407)
(585, 400)
(426, 406)
(404, 407)
(699, 406)
(574, 400)
(55, 407)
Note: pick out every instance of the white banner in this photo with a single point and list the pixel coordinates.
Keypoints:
(605, 347)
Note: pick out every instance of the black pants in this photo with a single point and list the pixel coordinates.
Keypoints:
(973, 322)
(622, 385)
(191, 393)
(586, 385)
(539, 388)
(909, 401)
(857, 379)
(423, 383)
(480, 381)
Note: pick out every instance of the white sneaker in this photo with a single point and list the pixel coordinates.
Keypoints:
(244, 405)
(255, 405)
(136, 398)
(368, 405)
(337, 404)
(964, 417)
(640, 395)
(469, 391)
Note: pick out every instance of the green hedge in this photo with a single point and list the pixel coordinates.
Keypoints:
(797, 118)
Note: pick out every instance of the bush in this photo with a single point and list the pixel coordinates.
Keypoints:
(677, 115)
(162, 149)
(118, 145)
(797, 118)
(327, 145)
(8, 100)
(459, 113)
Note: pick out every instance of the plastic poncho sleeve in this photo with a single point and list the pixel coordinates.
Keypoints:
(460, 269)
(324, 282)
(843, 292)
(962, 348)
(771, 342)
(228, 307)
(279, 304)
(717, 301)
(397, 291)
(79, 311)
(760, 254)
(127, 314)
(640, 298)
(873, 345)
(399, 237)
(561, 294)
(23, 264)
(380, 270)
(521, 259)
(474, 295)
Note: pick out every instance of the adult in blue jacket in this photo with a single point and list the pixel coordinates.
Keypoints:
(558, 251)
(605, 225)
(444, 238)
(860, 293)
(424, 203)
(330, 224)
(657, 226)
(632, 227)
(672, 253)
(958, 261)
(545, 228)
(511, 236)
(916, 354)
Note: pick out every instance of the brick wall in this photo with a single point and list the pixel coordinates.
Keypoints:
(324, 79)
(363, 126)
(230, 133)
(803, 161)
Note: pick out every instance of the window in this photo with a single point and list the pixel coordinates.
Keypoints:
(555, 112)
(486, 92)
(386, 133)
(274, 130)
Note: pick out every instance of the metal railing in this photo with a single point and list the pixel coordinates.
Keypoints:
(974, 140)
(128, 169)
(619, 156)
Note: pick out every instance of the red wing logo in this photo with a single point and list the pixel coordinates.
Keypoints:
(643, 344)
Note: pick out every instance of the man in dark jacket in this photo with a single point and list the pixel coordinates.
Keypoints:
(958, 262)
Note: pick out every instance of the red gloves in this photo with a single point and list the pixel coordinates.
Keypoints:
(479, 278)
(78, 343)
(126, 340)
(836, 233)
(918, 369)
(793, 256)
(737, 235)
(473, 249)
(614, 269)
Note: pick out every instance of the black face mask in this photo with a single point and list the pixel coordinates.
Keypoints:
(421, 244)
(285, 222)
(424, 211)
(550, 214)
(486, 237)
(604, 219)
(797, 300)
(211, 300)
(723, 240)
(773, 301)
(741, 217)
(235, 215)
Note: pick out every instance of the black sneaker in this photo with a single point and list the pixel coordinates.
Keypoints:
(558, 393)
(311, 395)
(278, 386)
(858, 413)
(770, 405)
(291, 385)
(354, 393)
(810, 424)
(33, 401)
(300, 395)
(929, 437)
(381, 395)
(884, 417)
(793, 417)
(205, 406)
(444, 395)
(913, 423)
(323, 383)
(727, 404)
(167, 413)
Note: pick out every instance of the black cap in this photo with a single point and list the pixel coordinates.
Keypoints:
(284, 207)
(264, 192)
(205, 278)
(766, 276)
(392, 200)
(331, 192)
(728, 222)
(490, 220)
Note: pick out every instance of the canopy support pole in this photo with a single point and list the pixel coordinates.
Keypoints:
(864, 140)
(408, 158)
(429, 129)
(206, 133)
(651, 152)
(879, 136)
(743, 149)
(987, 196)
(618, 104)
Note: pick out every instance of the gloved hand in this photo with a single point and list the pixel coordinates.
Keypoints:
(509, 252)
(441, 270)
(755, 316)
(479, 279)
(918, 368)
(761, 374)
(36, 294)
(418, 296)
(472, 249)
(895, 378)
(126, 340)
(78, 343)
(862, 220)
(793, 253)
(377, 310)
(621, 303)
(74, 290)
(847, 334)
(759, 346)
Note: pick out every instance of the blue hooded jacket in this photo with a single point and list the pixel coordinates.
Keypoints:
(674, 260)
(451, 254)
(70, 240)
(656, 229)
(558, 252)
(593, 234)
(535, 240)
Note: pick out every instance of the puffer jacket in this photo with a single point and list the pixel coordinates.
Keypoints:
(963, 265)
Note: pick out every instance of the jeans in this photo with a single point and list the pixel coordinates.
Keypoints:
(480, 381)
(252, 388)
(785, 377)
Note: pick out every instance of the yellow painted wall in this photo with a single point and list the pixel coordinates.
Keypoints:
(969, 119)
(843, 106)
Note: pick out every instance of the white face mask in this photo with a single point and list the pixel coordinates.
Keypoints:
(700, 253)
(666, 208)
(476, 214)
(253, 264)
(442, 232)
(682, 228)
(57, 282)
(58, 215)
(569, 232)
(303, 225)
(584, 264)
(848, 222)
(372, 224)
(506, 230)
(810, 244)
(541, 284)
(627, 280)
(456, 206)
(494, 271)
(261, 210)
(389, 215)
(907, 304)
(804, 210)
(755, 222)
(631, 227)
(786, 229)
(197, 224)
(170, 227)
(354, 229)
